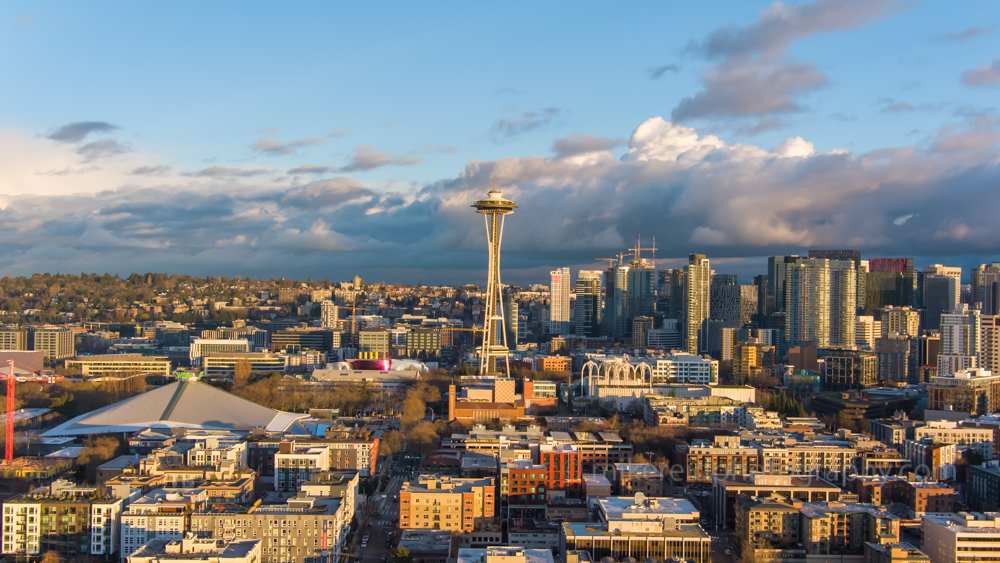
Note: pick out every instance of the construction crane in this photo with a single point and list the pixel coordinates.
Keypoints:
(11, 379)
(621, 256)
(637, 251)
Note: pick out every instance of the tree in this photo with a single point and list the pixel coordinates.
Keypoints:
(242, 372)
(51, 557)
(402, 555)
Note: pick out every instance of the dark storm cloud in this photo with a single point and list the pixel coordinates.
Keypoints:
(693, 193)
(76, 132)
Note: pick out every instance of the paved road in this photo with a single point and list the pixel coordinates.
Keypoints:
(385, 521)
(719, 549)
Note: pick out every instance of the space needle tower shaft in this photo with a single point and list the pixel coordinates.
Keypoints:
(494, 346)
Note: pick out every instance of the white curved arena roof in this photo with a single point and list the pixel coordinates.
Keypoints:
(184, 404)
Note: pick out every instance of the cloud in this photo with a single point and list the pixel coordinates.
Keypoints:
(222, 171)
(965, 34)
(897, 108)
(310, 169)
(268, 145)
(339, 133)
(577, 144)
(754, 78)
(986, 76)
(842, 117)
(102, 148)
(508, 128)
(691, 190)
(779, 24)
(76, 132)
(657, 72)
(159, 170)
(744, 87)
(24, 21)
(367, 157)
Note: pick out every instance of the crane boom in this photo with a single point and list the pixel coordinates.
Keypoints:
(11, 379)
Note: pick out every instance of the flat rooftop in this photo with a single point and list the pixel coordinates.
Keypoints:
(649, 508)
(425, 540)
(221, 550)
(591, 529)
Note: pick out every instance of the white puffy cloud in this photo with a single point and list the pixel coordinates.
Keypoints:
(692, 192)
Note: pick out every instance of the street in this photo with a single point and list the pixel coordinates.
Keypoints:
(384, 521)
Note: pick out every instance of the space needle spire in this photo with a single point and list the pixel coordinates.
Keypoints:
(494, 347)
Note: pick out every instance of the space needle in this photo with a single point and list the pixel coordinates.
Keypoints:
(494, 347)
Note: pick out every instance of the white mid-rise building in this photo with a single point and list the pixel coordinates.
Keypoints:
(962, 537)
(201, 347)
(160, 515)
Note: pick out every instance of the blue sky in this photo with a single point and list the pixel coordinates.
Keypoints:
(228, 138)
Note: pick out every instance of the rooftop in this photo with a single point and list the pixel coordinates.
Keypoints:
(641, 507)
(425, 540)
(775, 481)
(590, 529)
(466, 555)
(189, 404)
(444, 484)
(527, 525)
(197, 549)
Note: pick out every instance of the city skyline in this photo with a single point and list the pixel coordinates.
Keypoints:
(325, 142)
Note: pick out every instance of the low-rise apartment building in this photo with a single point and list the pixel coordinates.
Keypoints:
(448, 503)
(70, 521)
(299, 531)
(725, 455)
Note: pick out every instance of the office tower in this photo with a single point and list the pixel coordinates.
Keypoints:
(617, 300)
(724, 310)
(640, 329)
(843, 302)
(641, 289)
(775, 298)
(989, 342)
(588, 303)
(960, 341)
(493, 209)
(853, 256)
(760, 283)
(807, 302)
(981, 277)
(866, 330)
(941, 295)
(328, 315)
(891, 281)
(902, 320)
(559, 302)
(748, 304)
(820, 302)
(668, 337)
(697, 302)
(510, 320)
(939, 270)
(897, 358)
(863, 286)
(673, 290)
(725, 299)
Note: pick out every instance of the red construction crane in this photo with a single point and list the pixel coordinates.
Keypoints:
(35, 375)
